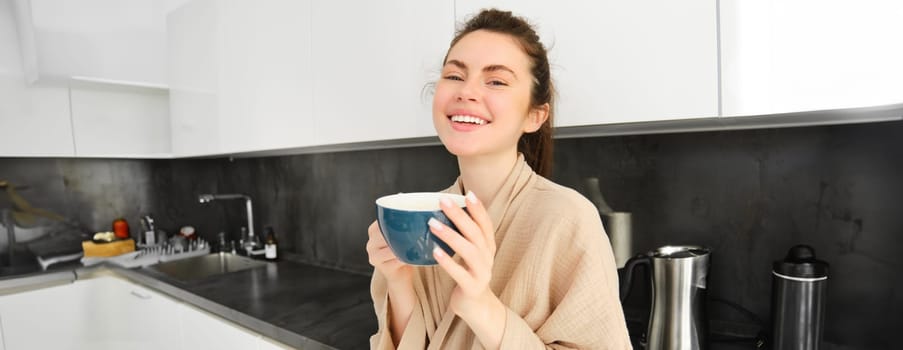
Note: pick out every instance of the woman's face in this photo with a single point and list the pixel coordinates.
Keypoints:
(482, 101)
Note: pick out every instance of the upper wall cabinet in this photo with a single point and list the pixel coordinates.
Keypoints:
(120, 122)
(374, 63)
(240, 76)
(193, 79)
(92, 122)
(788, 56)
(75, 117)
(624, 61)
(35, 120)
(99, 40)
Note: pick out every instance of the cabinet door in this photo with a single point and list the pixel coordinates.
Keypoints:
(35, 121)
(27, 319)
(803, 55)
(373, 62)
(193, 77)
(202, 331)
(122, 315)
(269, 344)
(96, 39)
(624, 61)
(99, 313)
(265, 75)
(240, 76)
(122, 123)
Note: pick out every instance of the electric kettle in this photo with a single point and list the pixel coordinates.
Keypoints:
(677, 318)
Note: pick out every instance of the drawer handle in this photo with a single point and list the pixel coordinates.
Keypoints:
(142, 296)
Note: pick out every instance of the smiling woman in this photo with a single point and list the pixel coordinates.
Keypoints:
(482, 80)
(507, 79)
(533, 268)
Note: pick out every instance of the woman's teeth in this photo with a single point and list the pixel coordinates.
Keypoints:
(467, 119)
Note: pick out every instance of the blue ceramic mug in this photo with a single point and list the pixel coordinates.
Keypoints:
(403, 221)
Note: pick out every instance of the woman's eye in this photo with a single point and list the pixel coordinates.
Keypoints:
(497, 83)
(453, 77)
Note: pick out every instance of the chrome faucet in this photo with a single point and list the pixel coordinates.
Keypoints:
(206, 198)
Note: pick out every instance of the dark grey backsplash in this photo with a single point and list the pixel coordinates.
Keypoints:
(92, 192)
(319, 205)
(749, 195)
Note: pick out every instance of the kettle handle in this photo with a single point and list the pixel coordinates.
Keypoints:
(629, 266)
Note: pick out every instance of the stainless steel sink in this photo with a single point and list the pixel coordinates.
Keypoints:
(204, 266)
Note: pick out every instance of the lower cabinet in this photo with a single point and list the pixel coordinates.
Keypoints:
(110, 313)
(202, 331)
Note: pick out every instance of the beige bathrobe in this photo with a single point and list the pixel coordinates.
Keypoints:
(554, 270)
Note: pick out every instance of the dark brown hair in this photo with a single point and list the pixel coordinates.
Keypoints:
(536, 146)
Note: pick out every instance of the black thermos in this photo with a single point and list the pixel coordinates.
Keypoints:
(799, 283)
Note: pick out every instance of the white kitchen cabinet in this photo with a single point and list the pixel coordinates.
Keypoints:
(193, 78)
(373, 66)
(111, 313)
(100, 40)
(624, 61)
(34, 121)
(124, 315)
(27, 319)
(268, 344)
(122, 123)
(787, 56)
(82, 122)
(73, 118)
(103, 313)
(240, 76)
(201, 331)
(265, 75)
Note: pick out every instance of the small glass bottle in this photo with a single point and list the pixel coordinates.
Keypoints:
(243, 241)
(243, 237)
(221, 242)
(270, 245)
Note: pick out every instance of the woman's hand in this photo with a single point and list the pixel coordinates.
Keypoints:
(399, 277)
(397, 273)
(472, 298)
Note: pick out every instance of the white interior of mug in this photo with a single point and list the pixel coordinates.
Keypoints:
(418, 201)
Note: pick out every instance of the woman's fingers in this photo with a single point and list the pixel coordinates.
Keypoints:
(381, 255)
(392, 264)
(462, 246)
(377, 249)
(374, 233)
(480, 216)
(463, 222)
(478, 265)
(457, 272)
(375, 237)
